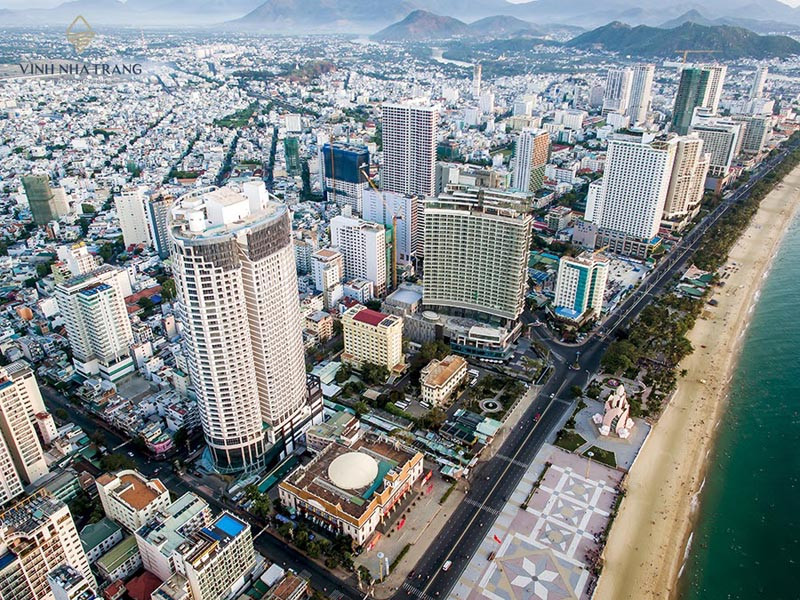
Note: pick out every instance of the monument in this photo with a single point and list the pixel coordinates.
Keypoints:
(616, 415)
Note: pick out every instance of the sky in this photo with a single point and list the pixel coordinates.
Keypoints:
(51, 3)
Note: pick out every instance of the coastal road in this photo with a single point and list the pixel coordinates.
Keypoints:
(496, 479)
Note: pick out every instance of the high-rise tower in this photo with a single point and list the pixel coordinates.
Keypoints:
(693, 91)
(238, 303)
(641, 92)
(531, 153)
(409, 149)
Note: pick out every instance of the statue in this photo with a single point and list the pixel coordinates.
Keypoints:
(616, 415)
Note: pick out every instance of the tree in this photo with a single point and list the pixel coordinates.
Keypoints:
(116, 462)
(621, 355)
(87, 208)
(343, 374)
(436, 349)
(374, 374)
(361, 408)
(168, 289)
(432, 419)
(577, 391)
(106, 251)
(61, 414)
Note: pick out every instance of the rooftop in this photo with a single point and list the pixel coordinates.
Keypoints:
(287, 587)
(137, 491)
(348, 477)
(114, 558)
(438, 372)
(95, 534)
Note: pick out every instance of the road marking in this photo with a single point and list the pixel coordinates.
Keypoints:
(496, 483)
(519, 463)
(415, 592)
(482, 506)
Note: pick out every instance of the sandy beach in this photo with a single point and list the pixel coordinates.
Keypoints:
(648, 540)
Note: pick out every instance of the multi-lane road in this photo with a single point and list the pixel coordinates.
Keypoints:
(492, 482)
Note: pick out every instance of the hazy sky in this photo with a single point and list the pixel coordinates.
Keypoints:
(50, 3)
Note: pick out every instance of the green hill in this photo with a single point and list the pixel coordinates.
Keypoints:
(729, 42)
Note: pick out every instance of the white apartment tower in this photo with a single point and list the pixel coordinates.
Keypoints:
(20, 401)
(687, 183)
(363, 246)
(38, 535)
(759, 79)
(238, 304)
(382, 207)
(132, 216)
(580, 286)
(476, 258)
(716, 80)
(476, 80)
(722, 140)
(531, 153)
(10, 483)
(67, 583)
(409, 149)
(327, 267)
(98, 327)
(641, 92)
(628, 205)
(618, 90)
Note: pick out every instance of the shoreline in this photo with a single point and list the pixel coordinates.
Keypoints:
(651, 536)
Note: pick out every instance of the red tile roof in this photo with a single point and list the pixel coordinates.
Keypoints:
(370, 317)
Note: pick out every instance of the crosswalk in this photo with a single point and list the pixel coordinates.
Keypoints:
(415, 592)
(517, 463)
(482, 506)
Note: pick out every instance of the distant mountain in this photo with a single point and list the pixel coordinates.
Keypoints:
(694, 16)
(690, 16)
(729, 42)
(289, 16)
(321, 16)
(498, 25)
(422, 25)
(649, 12)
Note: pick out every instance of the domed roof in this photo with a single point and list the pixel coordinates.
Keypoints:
(353, 470)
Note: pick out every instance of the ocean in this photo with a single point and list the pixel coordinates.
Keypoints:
(746, 544)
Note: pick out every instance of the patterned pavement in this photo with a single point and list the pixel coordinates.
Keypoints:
(541, 554)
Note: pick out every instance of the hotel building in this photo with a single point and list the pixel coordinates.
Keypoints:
(372, 337)
(130, 499)
(37, 535)
(237, 301)
(580, 287)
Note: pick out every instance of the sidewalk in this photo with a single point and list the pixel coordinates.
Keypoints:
(424, 536)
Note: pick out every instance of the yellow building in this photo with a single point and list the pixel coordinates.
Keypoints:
(440, 378)
(372, 337)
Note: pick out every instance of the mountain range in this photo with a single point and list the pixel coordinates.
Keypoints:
(726, 41)
(292, 16)
(423, 25)
(764, 26)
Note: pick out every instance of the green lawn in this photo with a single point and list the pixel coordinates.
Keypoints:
(604, 456)
(569, 440)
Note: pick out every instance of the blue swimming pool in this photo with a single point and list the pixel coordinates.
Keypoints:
(229, 525)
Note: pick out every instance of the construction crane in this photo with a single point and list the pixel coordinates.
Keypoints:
(686, 53)
(395, 217)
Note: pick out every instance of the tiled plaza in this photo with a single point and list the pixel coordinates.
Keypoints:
(542, 550)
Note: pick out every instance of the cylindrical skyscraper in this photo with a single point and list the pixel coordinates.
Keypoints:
(237, 290)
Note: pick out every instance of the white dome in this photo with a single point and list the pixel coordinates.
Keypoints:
(353, 470)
